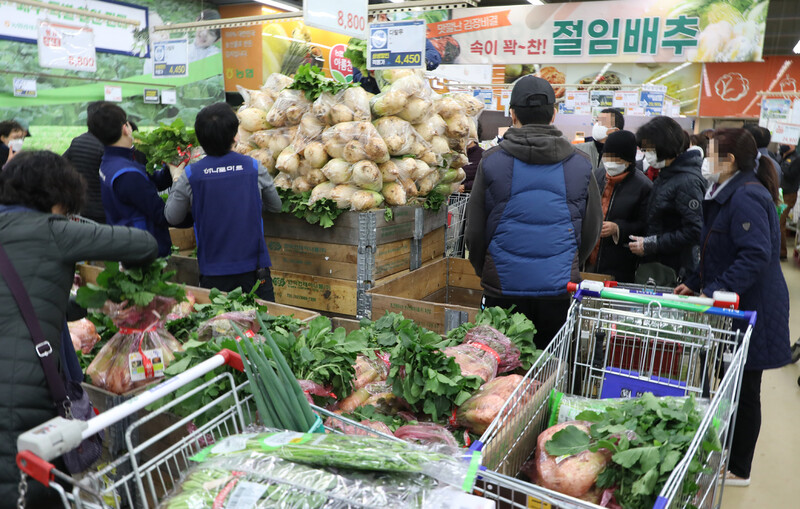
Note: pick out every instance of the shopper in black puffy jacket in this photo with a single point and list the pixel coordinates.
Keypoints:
(85, 152)
(674, 213)
(624, 192)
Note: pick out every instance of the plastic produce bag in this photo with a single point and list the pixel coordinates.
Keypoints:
(252, 119)
(369, 371)
(499, 343)
(265, 158)
(260, 480)
(426, 433)
(377, 394)
(349, 105)
(366, 200)
(349, 429)
(475, 361)
(400, 137)
(342, 195)
(354, 142)
(139, 352)
(366, 175)
(220, 326)
(182, 309)
(260, 99)
(434, 126)
(478, 412)
(84, 335)
(574, 475)
(289, 108)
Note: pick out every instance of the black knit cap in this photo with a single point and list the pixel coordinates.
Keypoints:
(621, 144)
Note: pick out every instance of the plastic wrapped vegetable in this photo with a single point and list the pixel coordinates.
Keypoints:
(266, 158)
(315, 154)
(574, 475)
(478, 412)
(139, 352)
(434, 126)
(276, 82)
(366, 200)
(342, 195)
(447, 107)
(283, 181)
(416, 110)
(260, 99)
(498, 343)
(426, 433)
(366, 175)
(84, 335)
(220, 326)
(472, 105)
(338, 171)
(394, 194)
(427, 183)
(288, 161)
(355, 141)
(289, 108)
(321, 192)
(400, 137)
(252, 119)
(353, 430)
(273, 139)
(309, 130)
(182, 309)
(474, 361)
(349, 105)
(369, 371)
(377, 394)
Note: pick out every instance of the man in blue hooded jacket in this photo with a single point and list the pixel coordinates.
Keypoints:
(130, 196)
(534, 214)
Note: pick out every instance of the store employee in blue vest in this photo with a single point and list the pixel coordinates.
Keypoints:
(130, 196)
(226, 193)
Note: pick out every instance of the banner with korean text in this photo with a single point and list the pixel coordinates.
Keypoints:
(611, 31)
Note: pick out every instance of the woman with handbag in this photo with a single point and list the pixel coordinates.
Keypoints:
(40, 247)
(741, 242)
(674, 212)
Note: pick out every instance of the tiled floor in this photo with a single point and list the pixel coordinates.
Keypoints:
(775, 478)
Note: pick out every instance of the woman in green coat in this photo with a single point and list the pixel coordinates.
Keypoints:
(37, 189)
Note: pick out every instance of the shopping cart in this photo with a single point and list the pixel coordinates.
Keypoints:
(156, 463)
(456, 224)
(675, 347)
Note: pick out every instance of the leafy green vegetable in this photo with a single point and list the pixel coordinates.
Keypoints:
(235, 300)
(313, 82)
(357, 53)
(323, 212)
(434, 201)
(647, 437)
(138, 285)
(519, 329)
(165, 144)
(388, 215)
(371, 413)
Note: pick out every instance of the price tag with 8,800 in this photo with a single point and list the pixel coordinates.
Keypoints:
(347, 17)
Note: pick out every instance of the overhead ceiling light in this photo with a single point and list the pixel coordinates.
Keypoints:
(535, 2)
(279, 5)
(797, 47)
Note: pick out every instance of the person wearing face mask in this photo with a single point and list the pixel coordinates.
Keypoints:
(608, 121)
(740, 254)
(12, 135)
(533, 216)
(674, 212)
(624, 194)
(130, 197)
(790, 182)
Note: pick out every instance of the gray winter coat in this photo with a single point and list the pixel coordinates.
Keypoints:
(43, 249)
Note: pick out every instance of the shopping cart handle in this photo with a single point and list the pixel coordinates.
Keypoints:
(36, 467)
(232, 359)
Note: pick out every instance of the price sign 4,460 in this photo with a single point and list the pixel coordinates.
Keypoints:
(351, 21)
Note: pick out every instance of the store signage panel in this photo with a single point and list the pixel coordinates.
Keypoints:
(22, 23)
(396, 45)
(636, 31)
(171, 58)
(66, 47)
(347, 17)
(24, 87)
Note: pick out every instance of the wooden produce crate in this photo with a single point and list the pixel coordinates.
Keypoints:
(439, 296)
(89, 275)
(183, 238)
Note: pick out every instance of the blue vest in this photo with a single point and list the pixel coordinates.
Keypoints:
(535, 222)
(226, 206)
(118, 161)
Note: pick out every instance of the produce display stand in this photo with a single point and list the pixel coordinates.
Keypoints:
(153, 467)
(331, 269)
(577, 362)
(183, 238)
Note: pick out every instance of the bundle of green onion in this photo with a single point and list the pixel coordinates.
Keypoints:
(279, 399)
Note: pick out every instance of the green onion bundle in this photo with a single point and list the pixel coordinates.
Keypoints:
(279, 399)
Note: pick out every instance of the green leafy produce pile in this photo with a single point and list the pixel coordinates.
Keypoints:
(661, 430)
(165, 144)
(314, 83)
(357, 53)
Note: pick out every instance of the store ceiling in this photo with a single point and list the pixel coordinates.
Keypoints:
(783, 20)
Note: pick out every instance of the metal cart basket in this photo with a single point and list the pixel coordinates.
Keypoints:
(456, 224)
(611, 347)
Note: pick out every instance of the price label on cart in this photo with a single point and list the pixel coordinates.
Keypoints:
(397, 45)
(347, 17)
(151, 365)
(246, 495)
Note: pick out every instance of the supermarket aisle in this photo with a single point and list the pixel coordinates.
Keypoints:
(776, 468)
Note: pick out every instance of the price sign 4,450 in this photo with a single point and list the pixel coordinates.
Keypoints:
(408, 59)
(350, 21)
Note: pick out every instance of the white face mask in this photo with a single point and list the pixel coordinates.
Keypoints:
(705, 169)
(599, 132)
(614, 168)
(15, 144)
(651, 159)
